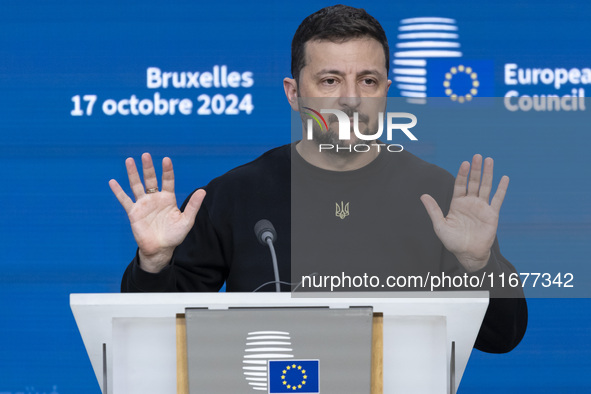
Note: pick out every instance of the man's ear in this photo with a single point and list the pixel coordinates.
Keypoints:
(388, 88)
(291, 92)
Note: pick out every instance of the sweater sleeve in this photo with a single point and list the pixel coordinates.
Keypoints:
(505, 321)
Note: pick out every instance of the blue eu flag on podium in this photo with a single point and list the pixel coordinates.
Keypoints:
(294, 376)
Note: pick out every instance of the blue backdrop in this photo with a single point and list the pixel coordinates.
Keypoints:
(76, 100)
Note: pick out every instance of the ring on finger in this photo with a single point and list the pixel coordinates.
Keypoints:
(152, 190)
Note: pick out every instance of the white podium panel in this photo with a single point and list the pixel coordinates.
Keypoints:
(142, 360)
(140, 335)
(423, 340)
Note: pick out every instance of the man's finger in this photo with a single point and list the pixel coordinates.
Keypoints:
(193, 206)
(487, 178)
(167, 175)
(123, 198)
(150, 179)
(433, 209)
(499, 196)
(475, 172)
(134, 179)
(461, 180)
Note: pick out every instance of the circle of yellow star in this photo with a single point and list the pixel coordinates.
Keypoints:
(297, 368)
(449, 77)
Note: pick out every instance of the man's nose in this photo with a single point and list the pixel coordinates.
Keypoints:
(350, 96)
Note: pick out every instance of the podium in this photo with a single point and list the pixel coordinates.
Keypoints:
(427, 338)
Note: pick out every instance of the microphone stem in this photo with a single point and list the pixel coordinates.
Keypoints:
(275, 269)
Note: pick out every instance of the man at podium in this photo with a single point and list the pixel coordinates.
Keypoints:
(338, 211)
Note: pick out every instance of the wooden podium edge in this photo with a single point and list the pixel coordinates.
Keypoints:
(377, 355)
(182, 367)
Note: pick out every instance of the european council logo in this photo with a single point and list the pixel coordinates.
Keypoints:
(428, 62)
(294, 376)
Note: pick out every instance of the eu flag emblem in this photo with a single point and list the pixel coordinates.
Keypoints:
(293, 376)
(460, 79)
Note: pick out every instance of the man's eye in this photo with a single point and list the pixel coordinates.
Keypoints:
(369, 81)
(330, 81)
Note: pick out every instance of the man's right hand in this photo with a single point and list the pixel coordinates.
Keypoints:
(157, 224)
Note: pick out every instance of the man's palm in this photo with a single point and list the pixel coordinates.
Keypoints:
(470, 227)
(157, 224)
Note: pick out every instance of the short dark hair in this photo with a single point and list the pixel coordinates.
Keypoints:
(337, 23)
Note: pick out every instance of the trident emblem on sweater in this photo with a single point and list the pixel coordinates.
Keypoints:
(342, 210)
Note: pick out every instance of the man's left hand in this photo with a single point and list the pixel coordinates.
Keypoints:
(470, 227)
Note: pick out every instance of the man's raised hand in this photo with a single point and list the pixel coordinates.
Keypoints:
(470, 227)
(157, 224)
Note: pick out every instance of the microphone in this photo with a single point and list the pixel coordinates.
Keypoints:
(264, 229)
(266, 234)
